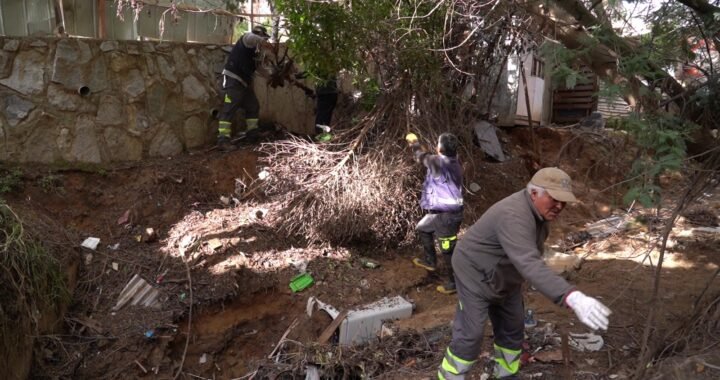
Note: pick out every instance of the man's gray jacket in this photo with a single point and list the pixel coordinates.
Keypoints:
(504, 247)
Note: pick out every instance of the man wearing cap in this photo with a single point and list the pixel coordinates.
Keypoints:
(237, 84)
(492, 260)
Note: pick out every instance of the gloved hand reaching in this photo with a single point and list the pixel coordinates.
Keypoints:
(589, 311)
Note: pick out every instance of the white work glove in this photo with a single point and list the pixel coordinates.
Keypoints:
(589, 311)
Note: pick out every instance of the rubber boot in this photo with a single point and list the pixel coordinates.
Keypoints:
(449, 287)
(429, 262)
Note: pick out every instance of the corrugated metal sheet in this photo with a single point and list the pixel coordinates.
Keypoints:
(149, 24)
(612, 106)
(25, 18)
(138, 292)
(82, 19)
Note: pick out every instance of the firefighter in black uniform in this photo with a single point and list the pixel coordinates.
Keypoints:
(237, 84)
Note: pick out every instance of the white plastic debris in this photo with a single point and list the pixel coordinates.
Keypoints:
(312, 301)
(114, 247)
(90, 243)
(225, 200)
(115, 266)
(88, 258)
(300, 265)
(312, 372)
(587, 342)
(263, 175)
(203, 359)
(474, 187)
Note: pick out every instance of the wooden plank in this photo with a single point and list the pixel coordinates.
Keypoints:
(573, 106)
(578, 87)
(325, 336)
(575, 93)
(573, 100)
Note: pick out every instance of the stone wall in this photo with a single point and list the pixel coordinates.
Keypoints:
(91, 101)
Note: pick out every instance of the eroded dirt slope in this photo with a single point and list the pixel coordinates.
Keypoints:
(240, 267)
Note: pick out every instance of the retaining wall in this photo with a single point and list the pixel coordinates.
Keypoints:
(92, 101)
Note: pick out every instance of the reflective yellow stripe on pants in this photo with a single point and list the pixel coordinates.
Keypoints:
(224, 128)
(507, 362)
(453, 367)
(446, 241)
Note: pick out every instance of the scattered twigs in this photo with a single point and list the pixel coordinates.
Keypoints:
(282, 339)
(707, 286)
(701, 180)
(141, 366)
(189, 326)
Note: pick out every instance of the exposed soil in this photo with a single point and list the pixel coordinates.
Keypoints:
(240, 268)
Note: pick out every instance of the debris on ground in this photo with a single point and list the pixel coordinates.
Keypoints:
(586, 342)
(488, 141)
(301, 282)
(90, 243)
(607, 226)
(138, 292)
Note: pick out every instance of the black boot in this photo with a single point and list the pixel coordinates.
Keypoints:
(430, 261)
(449, 287)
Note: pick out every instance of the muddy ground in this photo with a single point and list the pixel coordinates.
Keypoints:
(213, 233)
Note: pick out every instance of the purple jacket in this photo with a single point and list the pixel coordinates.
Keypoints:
(442, 190)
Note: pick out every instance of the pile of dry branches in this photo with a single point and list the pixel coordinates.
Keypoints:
(364, 185)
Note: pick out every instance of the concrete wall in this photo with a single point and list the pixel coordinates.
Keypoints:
(91, 101)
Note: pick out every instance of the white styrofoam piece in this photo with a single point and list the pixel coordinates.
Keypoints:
(91, 243)
(364, 324)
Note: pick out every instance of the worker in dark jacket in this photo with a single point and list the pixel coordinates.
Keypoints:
(326, 93)
(493, 259)
(237, 84)
(442, 201)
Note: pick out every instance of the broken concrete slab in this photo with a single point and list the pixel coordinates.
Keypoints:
(487, 139)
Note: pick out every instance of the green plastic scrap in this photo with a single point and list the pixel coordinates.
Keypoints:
(301, 282)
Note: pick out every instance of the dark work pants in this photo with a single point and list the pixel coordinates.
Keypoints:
(325, 106)
(236, 96)
(506, 316)
(444, 227)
